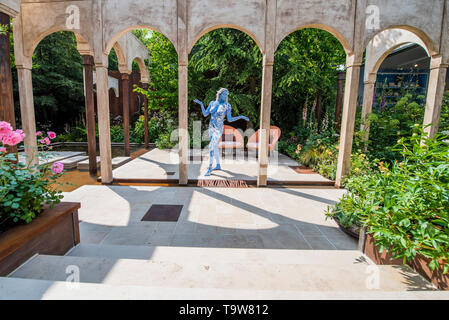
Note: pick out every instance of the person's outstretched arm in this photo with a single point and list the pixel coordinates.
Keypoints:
(231, 118)
(206, 112)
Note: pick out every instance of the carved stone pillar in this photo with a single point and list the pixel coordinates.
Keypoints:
(124, 94)
(265, 115)
(348, 118)
(88, 64)
(104, 129)
(6, 94)
(368, 99)
(145, 115)
(339, 104)
(435, 93)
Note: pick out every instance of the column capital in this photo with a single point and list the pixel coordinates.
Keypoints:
(124, 69)
(88, 60)
(124, 76)
(101, 61)
(24, 66)
(436, 62)
(353, 61)
(268, 59)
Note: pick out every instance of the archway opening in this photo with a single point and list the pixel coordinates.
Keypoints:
(393, 95)
(58, 89)
(224, 58)
(307, 67)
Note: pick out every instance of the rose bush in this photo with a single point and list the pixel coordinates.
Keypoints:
(25, 189)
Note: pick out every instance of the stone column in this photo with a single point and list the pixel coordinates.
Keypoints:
(27, 111)
(368, 99)
(338, 105)
(267, 83)
(88, 64)
(145, 115)
(124, 94)
(435, 93)
(183, 124)
(104, 124)
(6, 94)
(348, 118)
(265, 116)
(183, 58)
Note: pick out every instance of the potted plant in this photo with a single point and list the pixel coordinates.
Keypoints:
(32, 216)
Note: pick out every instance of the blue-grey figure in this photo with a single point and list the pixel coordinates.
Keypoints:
(218, 110)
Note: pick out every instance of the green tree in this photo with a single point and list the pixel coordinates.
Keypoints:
(163, 69)
(58, 81)
(227, 58)
(304, 69)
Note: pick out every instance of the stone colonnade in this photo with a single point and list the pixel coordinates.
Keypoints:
(357, 24)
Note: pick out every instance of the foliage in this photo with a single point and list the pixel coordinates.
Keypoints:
(24, 190)
(305, 69)
(388, 124)
(163, 87)
(405, 207)
(3, 29)
(227, 58)
(444, 117)
(57, 81)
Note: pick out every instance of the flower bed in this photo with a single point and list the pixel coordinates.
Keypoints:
(24, 189)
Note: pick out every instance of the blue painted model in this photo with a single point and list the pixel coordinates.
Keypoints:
(218, 110)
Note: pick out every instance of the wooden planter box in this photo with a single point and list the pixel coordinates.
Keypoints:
(54, 232)
(419, 264)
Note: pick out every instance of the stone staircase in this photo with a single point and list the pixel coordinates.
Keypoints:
(166, 272)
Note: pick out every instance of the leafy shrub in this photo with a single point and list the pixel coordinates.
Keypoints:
(23, 189)
(117, 134)
(405, 207)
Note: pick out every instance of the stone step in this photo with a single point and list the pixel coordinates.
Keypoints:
(31, 289)
(48, 157)
(84, 165)
(228, 255)
(119, 161)
(247, 276)
(71, 163)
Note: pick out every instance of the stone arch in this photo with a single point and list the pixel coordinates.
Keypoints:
(343, 41)
(87, 46)
(420, 37)
(120, 53)
(385, 42)
(144, 74)
(222, 26)
(109, 44)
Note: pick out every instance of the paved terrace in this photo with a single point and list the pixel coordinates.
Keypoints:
(164, 165)
(273, 218)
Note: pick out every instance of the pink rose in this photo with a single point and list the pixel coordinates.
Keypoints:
(13, 138)
(3, 149)
(57, 167)
(38, 133)
(5, 128)
(22, 134)
(45, 141)
(51, 134)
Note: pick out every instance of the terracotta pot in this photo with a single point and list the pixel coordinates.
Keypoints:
(54, 232)
(420, 264)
